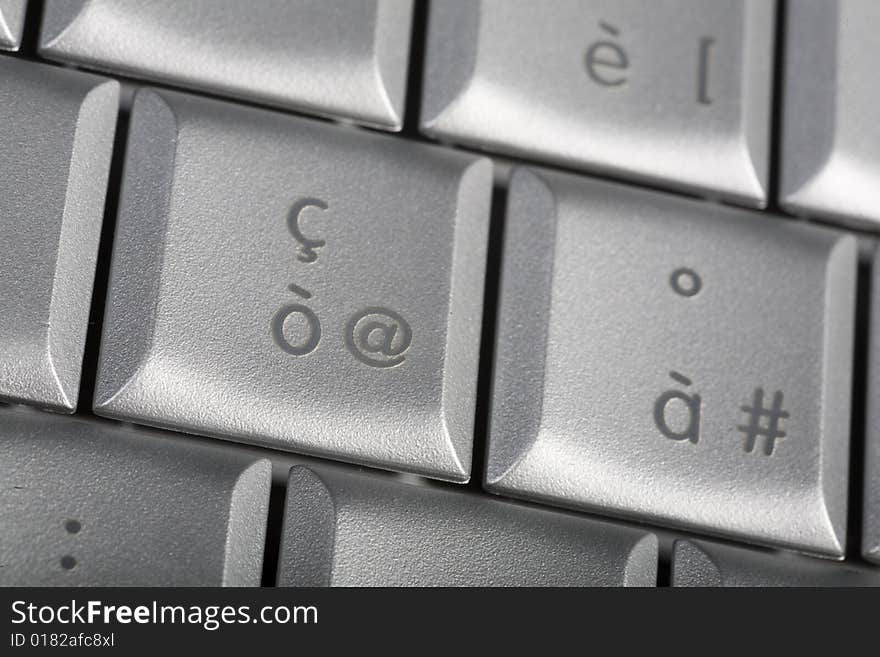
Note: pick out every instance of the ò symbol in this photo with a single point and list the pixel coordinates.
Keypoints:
(295, 327)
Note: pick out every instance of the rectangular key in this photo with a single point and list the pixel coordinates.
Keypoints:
(871, 505)
(297, 285)
(701, 563)
(673, 92)
(11, 23)
(674, 360)
(86, 504)
(56, 139)
(337, 58)
(347, 529)
(831, 136)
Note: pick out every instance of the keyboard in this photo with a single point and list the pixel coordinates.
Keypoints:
(447, 293)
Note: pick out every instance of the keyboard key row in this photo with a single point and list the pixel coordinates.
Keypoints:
(88, 504)
(319, 289)
(674, 93)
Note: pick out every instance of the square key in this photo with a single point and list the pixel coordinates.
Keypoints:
(339, 58)
(296, 285)
(56, 141)
(669, 92)
(674, 360)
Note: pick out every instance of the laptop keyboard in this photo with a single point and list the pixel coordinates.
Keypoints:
(397, 293)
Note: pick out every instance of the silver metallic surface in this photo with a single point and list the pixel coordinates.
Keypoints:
(84, 504)
(56, 138)
(831, 135)
(871, 504)
(701, 563)
(11, 23)
(338, 58)
(673, 92)
(296, 285)
(347, 529)
(667, 359)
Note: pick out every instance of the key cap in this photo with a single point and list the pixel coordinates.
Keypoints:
(56, 138)
(11, 23)
(674, 93)
(337, 58)
(871, 520)
(86, 504)
(701, 563)
(347, 529)
(673, 360)
(831, 138)
(296, 285)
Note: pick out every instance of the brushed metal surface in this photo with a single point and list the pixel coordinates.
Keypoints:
(56, 139)
(350, 529)
(337, 58)
(655, 324)
(86, 504)
(296, 285)
(672, 92)
(831, 136)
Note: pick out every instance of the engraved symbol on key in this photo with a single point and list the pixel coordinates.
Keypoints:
(378, 337)
(689, 405)
(770, 430)
(685, 282)
(308, 245)
(703, 97)
(605, 59)
(68, 562)
(295, 327)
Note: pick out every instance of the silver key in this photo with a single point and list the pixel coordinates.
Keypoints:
(345, 529)
(298, 285)
(84, 504)
(674, 360)
(337, 58)
(673, 92)
(11, 23)
(701, 563)
(56, 139)
(831, 136)
(871, 521)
